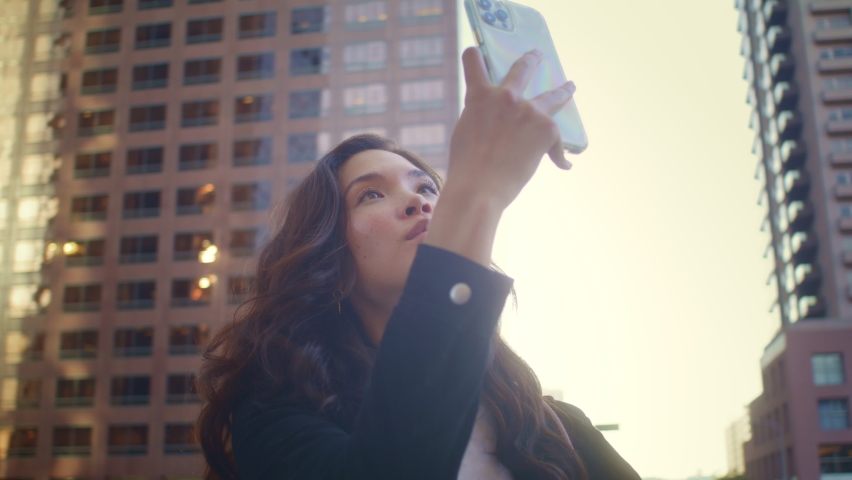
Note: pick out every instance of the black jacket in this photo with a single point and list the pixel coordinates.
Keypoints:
(418, 411)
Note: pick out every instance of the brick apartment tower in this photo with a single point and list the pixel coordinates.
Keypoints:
(799, 71)
(143, 146)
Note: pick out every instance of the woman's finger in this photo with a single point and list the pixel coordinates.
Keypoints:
(475, 75)
(552, 101)
(522, 70)
(557, 154)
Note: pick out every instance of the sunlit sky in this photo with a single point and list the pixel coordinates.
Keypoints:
(640, 272)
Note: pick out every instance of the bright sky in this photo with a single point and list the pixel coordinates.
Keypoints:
(640, 272)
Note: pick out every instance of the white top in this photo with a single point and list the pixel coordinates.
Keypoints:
(479, 462)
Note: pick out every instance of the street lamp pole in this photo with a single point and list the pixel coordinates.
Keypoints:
(780, 435)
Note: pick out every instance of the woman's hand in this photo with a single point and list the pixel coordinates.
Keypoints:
(501, 137)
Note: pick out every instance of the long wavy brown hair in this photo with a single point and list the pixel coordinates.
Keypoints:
(284, 341)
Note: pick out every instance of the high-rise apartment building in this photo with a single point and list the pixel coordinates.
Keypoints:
(146, 144)
(799, 71)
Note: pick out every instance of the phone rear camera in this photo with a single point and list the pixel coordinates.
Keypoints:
(486, 4)
(502, 15)
(489, 17)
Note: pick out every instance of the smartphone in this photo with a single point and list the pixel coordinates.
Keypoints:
(504, 31)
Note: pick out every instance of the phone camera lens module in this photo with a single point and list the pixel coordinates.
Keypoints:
(486, 4)
(502, 15)
(489, 17)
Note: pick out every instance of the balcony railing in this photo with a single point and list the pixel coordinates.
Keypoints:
(105, 9)
(803, 218)
(197, 209)
(786, 95)
(184, 349)
(253, 160)
(809, 284)
(96, 89)
(75, 450)
(806, 253)
(208, 37)
(253, 117)
(200, 79)
(149, 4)
(83, 260)
(149, 125)
(843, 191)
(782, 67)
(127, 450)
(81, 353)
(67, 402)
(153, 43)
(130, 400)
(833, 35)
(799, 188)
(81, 307)
(182, 255)
(774, 13)
(816, 310)
(98, 130)
(779, 39)
(145, 351)
(188, 302)
(178, 398)
(91, 172)
(138, 304)
(141, 213)
(199, 121)
(106, 48)
(241, 251)
(828, 6)
(148, 84)
(137, 258)
(144, 168)
(21, 452)
(793, 158)
(197, 164)
(181, 448)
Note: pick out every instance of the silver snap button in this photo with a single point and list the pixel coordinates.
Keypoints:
(460, 293)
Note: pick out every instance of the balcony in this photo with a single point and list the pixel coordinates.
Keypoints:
(798, 189)
(835, 65)
(129, 400)
(841, 159)
(794, 158)
(779, 39)
(181, 448)
(786, 95)
(66, 402)
(839, 95)
(809, 284)
(803, 218)
(845, 225)
(789, 125)
(838, 126)
(782, 67)
(829, 6)
(817, 310)
(806, 253)
(833, 35)
(774, 13)
(847, 258)
(843, 191)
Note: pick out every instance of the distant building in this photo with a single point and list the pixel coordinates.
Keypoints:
(737, 433)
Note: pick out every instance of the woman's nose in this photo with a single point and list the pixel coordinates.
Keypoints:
(418, 204)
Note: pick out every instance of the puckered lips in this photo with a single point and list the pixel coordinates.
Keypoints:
(418, 228)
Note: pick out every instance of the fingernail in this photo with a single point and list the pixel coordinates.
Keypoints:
(536, 51)
(570, 86)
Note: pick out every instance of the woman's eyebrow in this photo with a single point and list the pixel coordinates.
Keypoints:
(367, 177)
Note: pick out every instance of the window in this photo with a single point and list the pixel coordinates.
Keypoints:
(196, 200)
(153, 35)
(154, 75)
(94, 164)
(310, 19)
(78, 344)
(199, 113)
(357, 131)
(306, 147)
(251, 196)
(72, 441)
(252, 151)
(365, 15)
(180, 439)
(147, 117)
(138, 249)
(365, 56)
(421, 51)
(842, 145)
(75, 392)
(197, 156)
(144, 160)
(827, 369)
(95, 122)
(837, 83)
(143, 204)
(187, 339)
(239, 287)
(149, 4)
(127, 440)
(362, 99)
(188, 246)
(244, 241)
(846, 210)
(203, 1)
(840, 114)
(202, 70)
(843, 178)
(310, 103)
(422, 95)
(36, 169)
(204, 30)
(256, 66)
(82, 298)
(135, 390)
(21, 393)
(834, 414)
(99, 81)
(426, 139)
(834, 21)
(836, 53)
(103, 41)
(254, 25)
(191, 292)
(418, 12)
(22, 442)
(93, 207)
(24, 347)
(136, 295)
(29, 255)
(84, 252)
(253, 108)
(835, 459)
(310, 61)
(133, 342)
(180, 388)
(97, 7)
(26, 300)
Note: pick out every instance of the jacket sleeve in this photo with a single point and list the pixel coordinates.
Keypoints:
(601, 460)
(419, 409)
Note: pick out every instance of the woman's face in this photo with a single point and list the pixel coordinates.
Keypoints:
(386, 196)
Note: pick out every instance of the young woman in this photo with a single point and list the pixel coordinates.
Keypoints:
(368, 350)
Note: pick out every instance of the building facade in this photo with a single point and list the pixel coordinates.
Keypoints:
(149, 143)
(799, 71)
